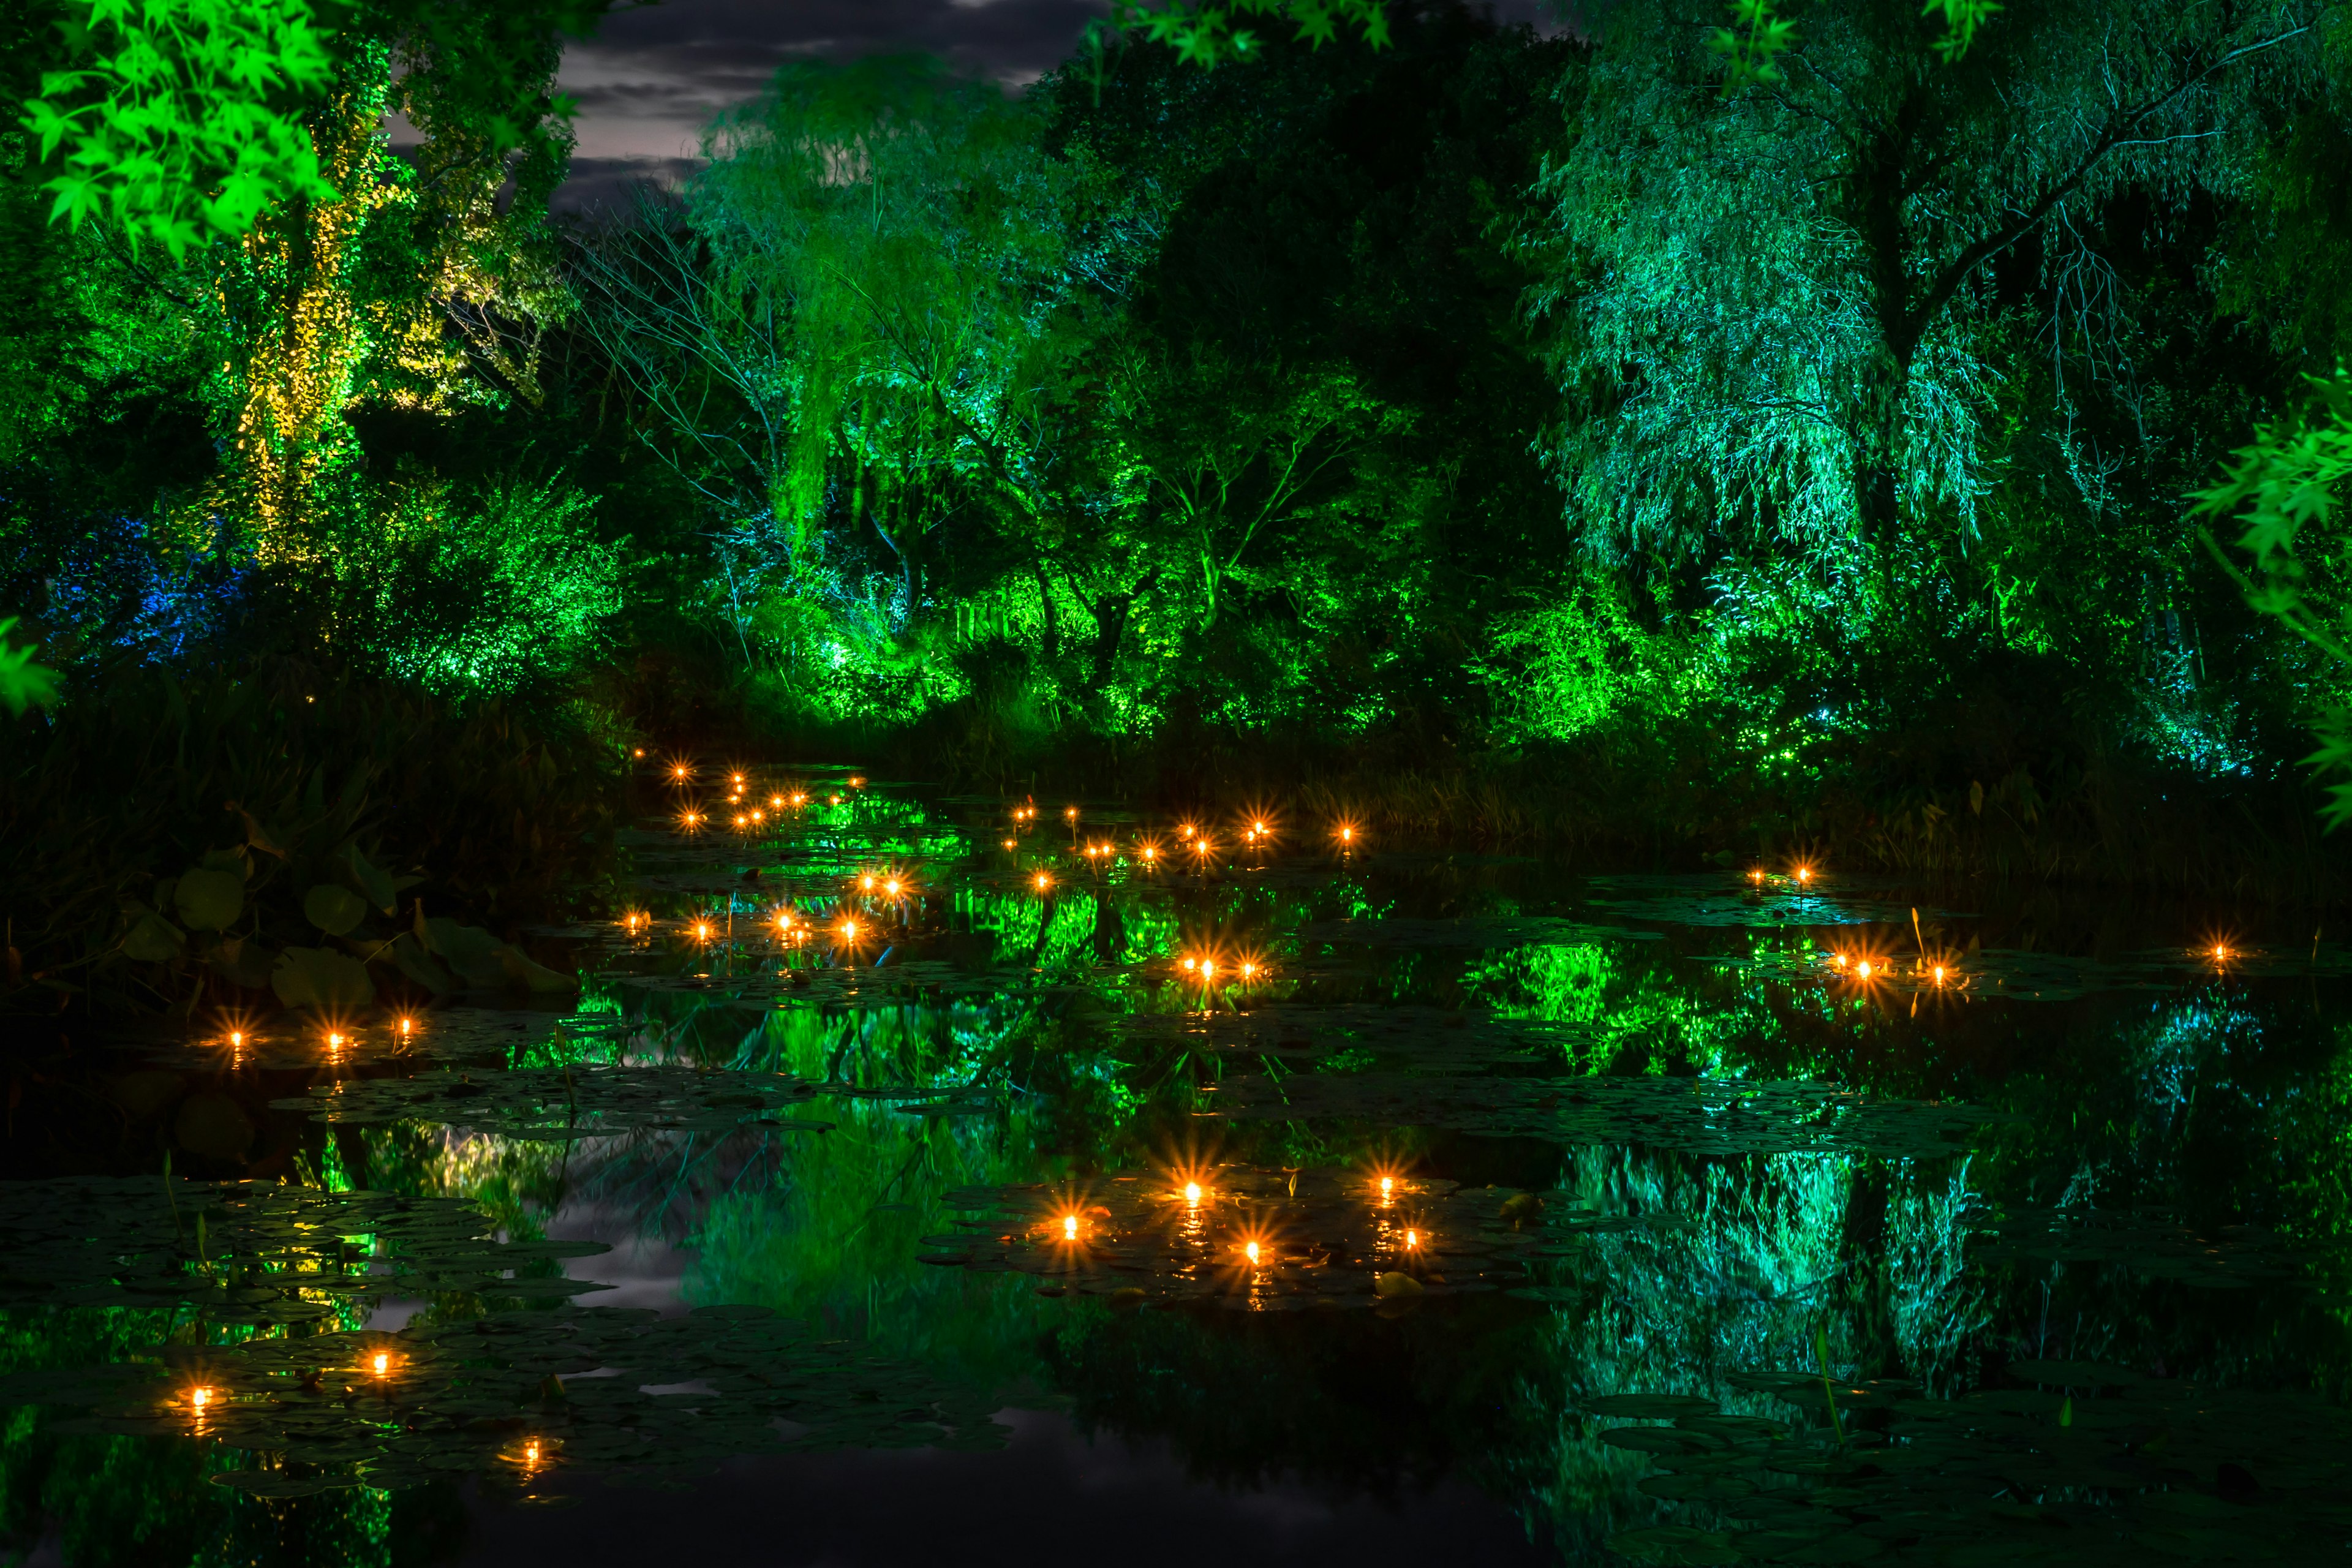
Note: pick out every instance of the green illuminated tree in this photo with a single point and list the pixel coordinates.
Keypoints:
(1772, 312)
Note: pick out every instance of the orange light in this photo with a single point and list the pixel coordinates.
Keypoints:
(891, 887)
(849, 931)
(1756, 876)
(1042, 882)
(776, 799)
(737, 778)
(1257, 827)
(1804, 873)
(639, 751)
(799, 799)
(1069, 1227)
(199, 1397)
(1251, 1248)
(865, 884)
(1010, 844)
(530, 1452)
(1347, 835)
(833, 799)
(2220, 952)
(702, 931)
(1208, 967)
(859, 782)
(1071, 812)
(681, 772)
(1412, 1239)
(407, 1024)
(1192, 964)
(1388, 1185)
(334, 1042)
(235, 1039)
(1862, 969)
(1150, 853)
(1939, 974)
(1191, 1191)
(382, 1365)
(1249, 971)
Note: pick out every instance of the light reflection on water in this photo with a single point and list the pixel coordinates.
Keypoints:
(2109, 1151)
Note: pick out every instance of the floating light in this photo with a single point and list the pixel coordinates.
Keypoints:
(1069, 1227)
(1041, 881)
(1070, 812)
(864, 884)
(1862, 969)
(334, 1042)
(799, 798)
(849, 931)
(1011, 844)
(702, 931)
(891, 887)
(1191, 1191)
(1756, 876)
(1249, 971)
(198, 1398)
(1150, 853)
(736, 778)
(1804, 873)
(407, 1026)
(1192, 964)
(681, 772)
(833, 799)
(857, 782)
(1250, 1249)
(235, 1039)
(777, 801)
(1939, 974)
(382, 1365)
(639, 751)
(1208, 968)
(1387, 1185)
(2221, 953)
(1412, 1239)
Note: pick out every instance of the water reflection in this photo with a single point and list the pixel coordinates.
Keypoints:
(1628, 1214)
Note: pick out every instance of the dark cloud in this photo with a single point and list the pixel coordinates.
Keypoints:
(651, 79)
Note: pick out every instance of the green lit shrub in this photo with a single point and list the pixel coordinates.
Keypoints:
(511, 590)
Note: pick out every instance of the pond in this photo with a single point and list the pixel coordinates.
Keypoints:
(914, 1175)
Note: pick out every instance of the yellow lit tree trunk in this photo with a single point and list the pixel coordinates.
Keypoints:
(290, 288)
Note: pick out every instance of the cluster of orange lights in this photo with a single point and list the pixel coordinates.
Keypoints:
(1206, 967)
(1865, 969)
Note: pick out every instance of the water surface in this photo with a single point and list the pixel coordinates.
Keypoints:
(887, 1192)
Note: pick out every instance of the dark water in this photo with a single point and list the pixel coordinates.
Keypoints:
(1471, 1208)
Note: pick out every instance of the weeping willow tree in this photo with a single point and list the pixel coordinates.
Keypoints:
(1772, 310)
(853, 330)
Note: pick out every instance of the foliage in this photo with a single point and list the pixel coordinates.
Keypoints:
(177, 95)
(183, 122)
(1203, 34)
(23, 683)
(2283, 487)
(140, 889)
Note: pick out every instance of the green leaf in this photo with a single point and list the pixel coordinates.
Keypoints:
(152, 939)
(208, 899)
(315, 977)
(23, 683)
(520, 970)
(333, 910)
(372, 881)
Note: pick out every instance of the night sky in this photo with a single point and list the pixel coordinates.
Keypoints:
(650, 78)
